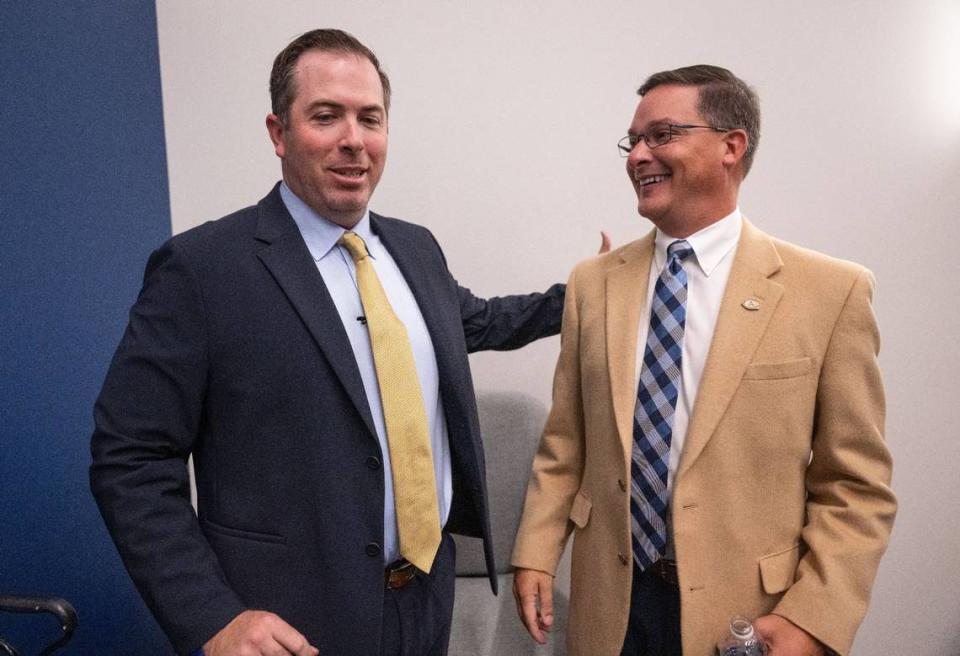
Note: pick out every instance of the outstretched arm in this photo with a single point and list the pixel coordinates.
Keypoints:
(509, 322)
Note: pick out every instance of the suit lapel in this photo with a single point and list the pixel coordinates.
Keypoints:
(286, 257)
(420, 261)
(736, 336)
(406, 252)
(626, 290)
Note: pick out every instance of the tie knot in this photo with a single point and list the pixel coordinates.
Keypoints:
(679, 250)
(355, 244)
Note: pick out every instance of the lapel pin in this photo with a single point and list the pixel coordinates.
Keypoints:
(751, 304)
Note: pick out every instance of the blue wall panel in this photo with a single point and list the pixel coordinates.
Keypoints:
(83, 200)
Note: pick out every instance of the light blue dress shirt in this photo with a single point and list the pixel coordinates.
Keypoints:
(339, 275)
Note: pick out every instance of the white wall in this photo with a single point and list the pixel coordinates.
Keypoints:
(503, 129)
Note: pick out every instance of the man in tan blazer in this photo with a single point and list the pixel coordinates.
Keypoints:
(775, 475)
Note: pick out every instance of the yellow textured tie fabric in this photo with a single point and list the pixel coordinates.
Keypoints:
(408, 436)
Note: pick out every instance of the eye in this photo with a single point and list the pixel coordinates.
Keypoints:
(660, 134)
(324, 118)
(371, 120)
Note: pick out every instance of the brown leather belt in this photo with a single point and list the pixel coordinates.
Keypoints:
(398, 574)
(666, 570)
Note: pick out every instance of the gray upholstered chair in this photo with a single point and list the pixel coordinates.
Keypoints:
(484, 625)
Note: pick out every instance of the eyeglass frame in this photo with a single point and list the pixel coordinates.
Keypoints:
(626, 148)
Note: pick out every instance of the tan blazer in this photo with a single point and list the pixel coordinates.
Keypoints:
(781, 502)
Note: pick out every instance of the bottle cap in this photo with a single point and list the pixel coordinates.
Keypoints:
(741, 627)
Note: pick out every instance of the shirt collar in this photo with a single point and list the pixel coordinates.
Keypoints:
(710, 245)
(319, 233)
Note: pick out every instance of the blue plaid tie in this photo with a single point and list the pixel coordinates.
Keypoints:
(656, 402)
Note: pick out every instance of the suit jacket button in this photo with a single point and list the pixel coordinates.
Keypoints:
(623, 559)
(373, 549)
(622, 484)
(373, 462)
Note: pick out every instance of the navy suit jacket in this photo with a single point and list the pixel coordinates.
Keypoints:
(235, 353)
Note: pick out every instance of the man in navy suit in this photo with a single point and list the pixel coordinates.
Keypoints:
(247, 348)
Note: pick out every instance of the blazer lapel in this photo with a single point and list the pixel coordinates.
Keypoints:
(736, 336)
(286, 257)
(626, 290)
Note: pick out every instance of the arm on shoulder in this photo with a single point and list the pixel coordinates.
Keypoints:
(509, 322)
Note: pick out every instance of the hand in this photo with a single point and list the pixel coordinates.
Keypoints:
(604, 243)
(533, 592)
(784, 638)
(258, 633)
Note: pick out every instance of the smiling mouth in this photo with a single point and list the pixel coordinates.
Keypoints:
(349, 172)
(647, 180)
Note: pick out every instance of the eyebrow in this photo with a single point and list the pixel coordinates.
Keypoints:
(659, 121)
(318, 104)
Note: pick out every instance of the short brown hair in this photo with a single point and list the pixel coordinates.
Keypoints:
(282, 86)
(725, 100)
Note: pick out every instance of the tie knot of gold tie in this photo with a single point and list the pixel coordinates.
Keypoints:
(355, 244)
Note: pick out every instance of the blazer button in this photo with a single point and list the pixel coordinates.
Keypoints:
(373, 549)
(623, 559)
(622, 484)
(373, 462)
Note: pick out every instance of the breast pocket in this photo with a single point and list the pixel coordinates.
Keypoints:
(793, 368)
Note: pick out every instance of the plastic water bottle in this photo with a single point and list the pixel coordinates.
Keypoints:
(742, 640)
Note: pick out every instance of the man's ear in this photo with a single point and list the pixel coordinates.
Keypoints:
(735, 142)
(276, 129)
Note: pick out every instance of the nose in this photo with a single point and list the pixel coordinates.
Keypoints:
(352, 138)
(641, 153)
(639, 156)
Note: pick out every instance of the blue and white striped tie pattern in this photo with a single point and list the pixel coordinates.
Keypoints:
(656, 402)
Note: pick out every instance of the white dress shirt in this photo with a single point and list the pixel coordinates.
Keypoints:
(339, 274)
(707, 270)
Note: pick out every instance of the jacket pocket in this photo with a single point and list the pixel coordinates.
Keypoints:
(580, 510)
(774, 370)
(243, 534)
(778, 570)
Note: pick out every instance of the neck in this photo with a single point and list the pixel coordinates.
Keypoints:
(686, 221)
(345, 222)
(683, 229)
(346, 219)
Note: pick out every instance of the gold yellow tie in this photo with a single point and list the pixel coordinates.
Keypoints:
(408, 437)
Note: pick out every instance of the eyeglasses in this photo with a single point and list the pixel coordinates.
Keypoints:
(658, 135)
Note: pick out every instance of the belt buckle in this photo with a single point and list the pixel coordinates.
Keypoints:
(399, 574)
(667, 571)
